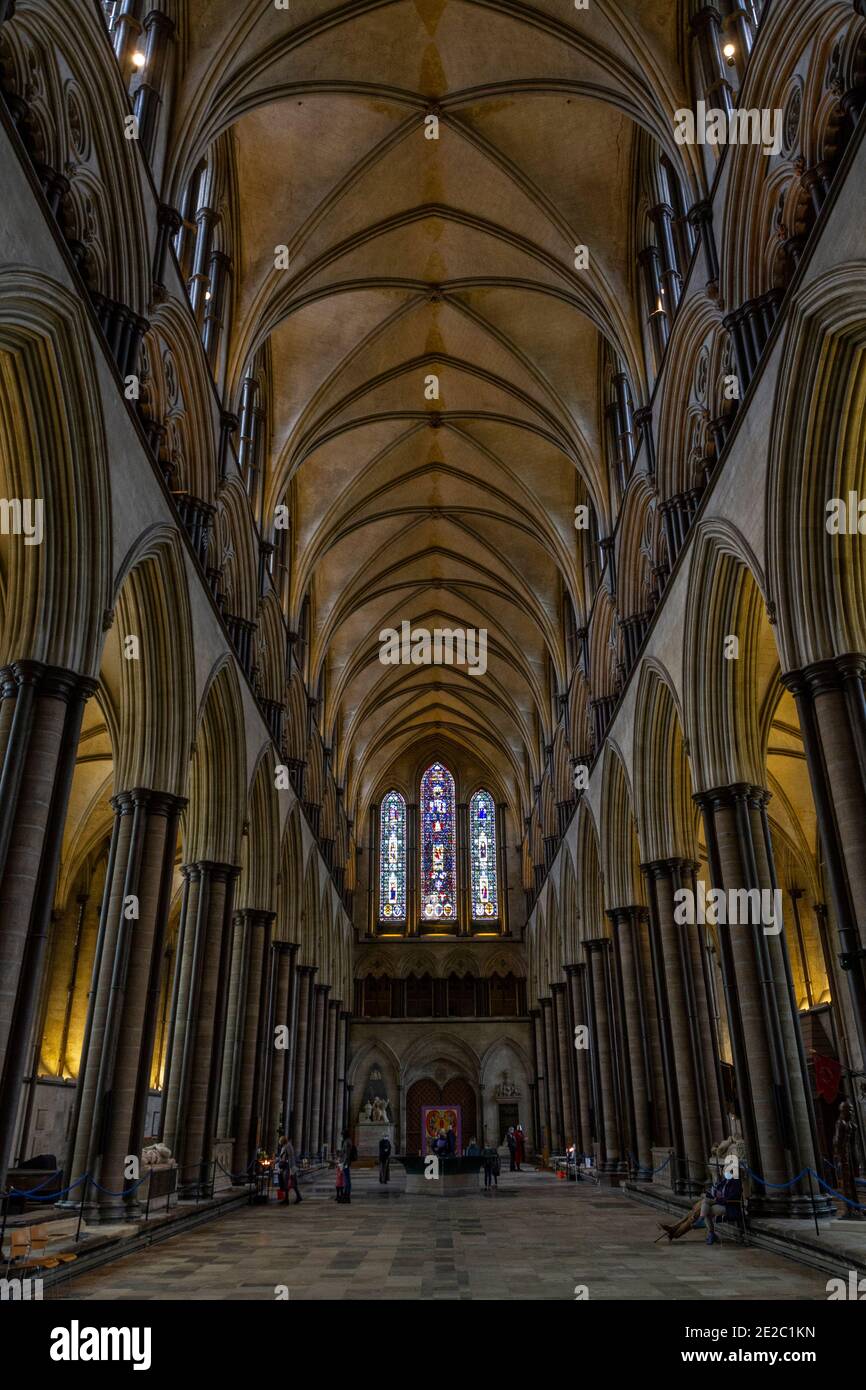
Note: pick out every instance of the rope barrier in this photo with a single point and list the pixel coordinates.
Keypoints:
(858, 1206)
(50, 1196)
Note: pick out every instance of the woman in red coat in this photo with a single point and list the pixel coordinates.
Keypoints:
(519, 1146)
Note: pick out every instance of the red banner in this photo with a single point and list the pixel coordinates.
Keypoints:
(828, 1074)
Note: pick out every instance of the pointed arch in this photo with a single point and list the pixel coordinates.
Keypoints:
(662, 777)
(217, 784)
(52, 449)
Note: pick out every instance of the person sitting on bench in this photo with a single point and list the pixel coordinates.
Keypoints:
(714, 1203)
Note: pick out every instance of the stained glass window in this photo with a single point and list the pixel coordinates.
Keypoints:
(438, 859)
(482, 857)
(392, 859)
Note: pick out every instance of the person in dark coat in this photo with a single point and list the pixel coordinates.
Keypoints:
(491, 1167)
(450, 1142)
(384, 1158)
(512, 1148)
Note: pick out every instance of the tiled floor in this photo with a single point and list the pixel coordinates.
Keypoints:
(535, 1238)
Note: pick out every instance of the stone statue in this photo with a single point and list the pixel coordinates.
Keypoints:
(844, 1141)
(366, 1112)
(380, 1111)
(157, 1155)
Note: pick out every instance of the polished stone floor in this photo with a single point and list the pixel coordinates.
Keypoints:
(536, 1238)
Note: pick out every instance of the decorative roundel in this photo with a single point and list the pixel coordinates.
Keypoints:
(77, 123)
(702, 374)
(791, 119)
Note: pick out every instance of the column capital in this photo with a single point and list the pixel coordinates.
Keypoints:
(167, 216)
(718, 797)
(285, 948)
(158, 19)
(157, 803)
(307, 970)
(821, 677)
(213, 869)
(55, 681)
(664, 868)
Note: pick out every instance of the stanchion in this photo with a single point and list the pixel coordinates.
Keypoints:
(81, 1207)
(814, 1208)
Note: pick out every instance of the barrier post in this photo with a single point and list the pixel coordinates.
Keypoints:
(814, 1208)
(81, 1207)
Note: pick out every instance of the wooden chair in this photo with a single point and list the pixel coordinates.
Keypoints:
(27, 1250)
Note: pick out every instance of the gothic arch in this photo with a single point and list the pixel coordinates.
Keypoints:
(153, 690)
(662, 778)
(52, 447)
(217, 783)
(724, 682)
(817, 579)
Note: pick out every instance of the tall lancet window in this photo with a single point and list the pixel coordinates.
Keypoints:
(438, 859)
(392, 859)
(482, 857)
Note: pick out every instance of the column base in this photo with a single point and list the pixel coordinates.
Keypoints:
(790, 1206)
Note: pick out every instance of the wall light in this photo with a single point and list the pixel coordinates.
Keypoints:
(138, 59)
(730, 53)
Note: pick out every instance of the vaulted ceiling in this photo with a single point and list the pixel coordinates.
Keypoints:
(452, 256)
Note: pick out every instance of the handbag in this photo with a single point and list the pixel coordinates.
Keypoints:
(341, 1181)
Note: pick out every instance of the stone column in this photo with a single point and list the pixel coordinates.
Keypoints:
(599, 999)
(583, 1136)
(580, 1069)
(317, 1054)
(41, 709)
(329, 1068)
(306, 974)
(634, 1023)
(413, 909)
(341, 1096)
(192, 1091)
(769, 1060)
(284, 1015)
(701, 217)
(159, 30)
(551, 1071)
(253, 1040)
(236, 1000)
(830, 704)
(464, 876)
(689, 1047)
(541, 1073)
(115, 1074)
(564, 1039)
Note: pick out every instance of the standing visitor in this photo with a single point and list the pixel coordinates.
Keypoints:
(519, 1146)
(384, 1158)
(347, 1156)
(512, 1147)
(287, 1170)
(491, 1167)
(450, 1142)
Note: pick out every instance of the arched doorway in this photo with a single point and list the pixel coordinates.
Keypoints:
(426, 1091)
